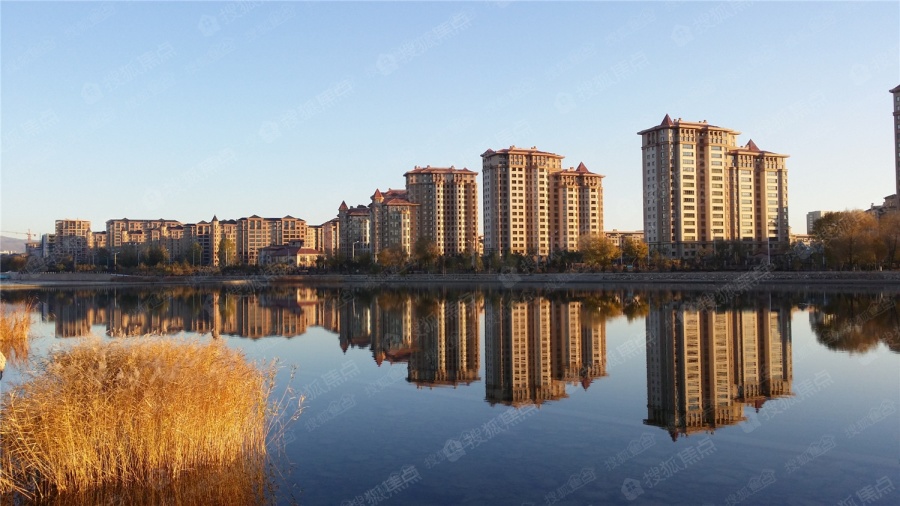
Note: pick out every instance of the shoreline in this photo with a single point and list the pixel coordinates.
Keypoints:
(742, 280)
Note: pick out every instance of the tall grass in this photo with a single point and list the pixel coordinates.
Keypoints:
(133, 413)
(15, 325)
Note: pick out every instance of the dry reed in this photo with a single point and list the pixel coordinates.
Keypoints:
(133, 414)
(15, 325)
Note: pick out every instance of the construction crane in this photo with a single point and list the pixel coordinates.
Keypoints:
(27, 234)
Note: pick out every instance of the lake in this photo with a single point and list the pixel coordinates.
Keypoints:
(489, 396)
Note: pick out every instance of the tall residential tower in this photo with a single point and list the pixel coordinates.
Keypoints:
(701, 187)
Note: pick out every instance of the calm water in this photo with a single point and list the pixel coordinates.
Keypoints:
(506, 397)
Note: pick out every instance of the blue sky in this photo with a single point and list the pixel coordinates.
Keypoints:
(186, 110)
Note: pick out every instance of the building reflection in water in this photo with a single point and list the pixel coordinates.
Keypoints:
(533, 347)
(705, 366)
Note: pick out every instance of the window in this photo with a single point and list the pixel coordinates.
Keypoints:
(746, 187)
(715, 163)
(746, 179)
(717, 185)
(746, 194)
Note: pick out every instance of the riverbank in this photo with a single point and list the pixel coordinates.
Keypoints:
(739, 280)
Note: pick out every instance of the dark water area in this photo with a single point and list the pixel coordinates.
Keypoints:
(487, 396)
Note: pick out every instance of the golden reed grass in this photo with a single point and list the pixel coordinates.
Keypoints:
(136, 413)
(15, 325)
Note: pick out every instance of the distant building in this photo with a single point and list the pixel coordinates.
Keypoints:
(447, 207)
(618, 237)
(73, 237)
(295, 256)
(391, 220)
(354, 224)
(701, 187)
(811, 218)
(254, 233)
(331, 237)
(896, 96)
(122, 231)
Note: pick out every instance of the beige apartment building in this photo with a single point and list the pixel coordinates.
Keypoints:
(576, 205)
(73, 237)
(701, 187)
(618, 237)
(391, 219)
(447, 207)
(331, 237)
(354, 225)
(123, 231)
(254, 233)
(896, 96)
(533, 206)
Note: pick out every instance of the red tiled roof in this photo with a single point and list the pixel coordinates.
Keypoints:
(752, 146)
(428, 169)
(532, 150)
(377, 194)
(343, 206)
(667, 121)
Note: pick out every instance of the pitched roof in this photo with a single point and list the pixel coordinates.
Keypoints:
(895, 90)
(343, 206)
(428, 169)
(581, 168)
(514, 149)
(667, 121)
(752, 146)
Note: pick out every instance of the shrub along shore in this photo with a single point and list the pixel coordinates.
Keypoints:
(757, 278)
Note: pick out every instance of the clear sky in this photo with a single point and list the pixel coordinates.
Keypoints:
(185, 110)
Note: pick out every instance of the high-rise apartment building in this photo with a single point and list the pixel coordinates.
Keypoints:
(354, 225)
(532, 205)
(896, 96)
(447, 207)
(331, 237)
(125, 231)
(700, 187)
(73, 237)
(391, 221)
(254, 233)
(576, 205)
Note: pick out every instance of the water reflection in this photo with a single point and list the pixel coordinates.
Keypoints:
(534, 346)
(857, 324)
(704, 366)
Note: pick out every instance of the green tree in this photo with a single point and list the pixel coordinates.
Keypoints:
(426, 251)
(599, 251)
(635, 251)
(889, 237)
(156, 255)
(194, 254)
(849, 238)
(227, 252)
(392, 257)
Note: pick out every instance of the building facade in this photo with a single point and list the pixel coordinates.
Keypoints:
(391, 216)
(576, 207)
(73, 237)
(354, 224)
(447, 207)
(254, 233)
(895, 95)
(811, 218)
(700, 188)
